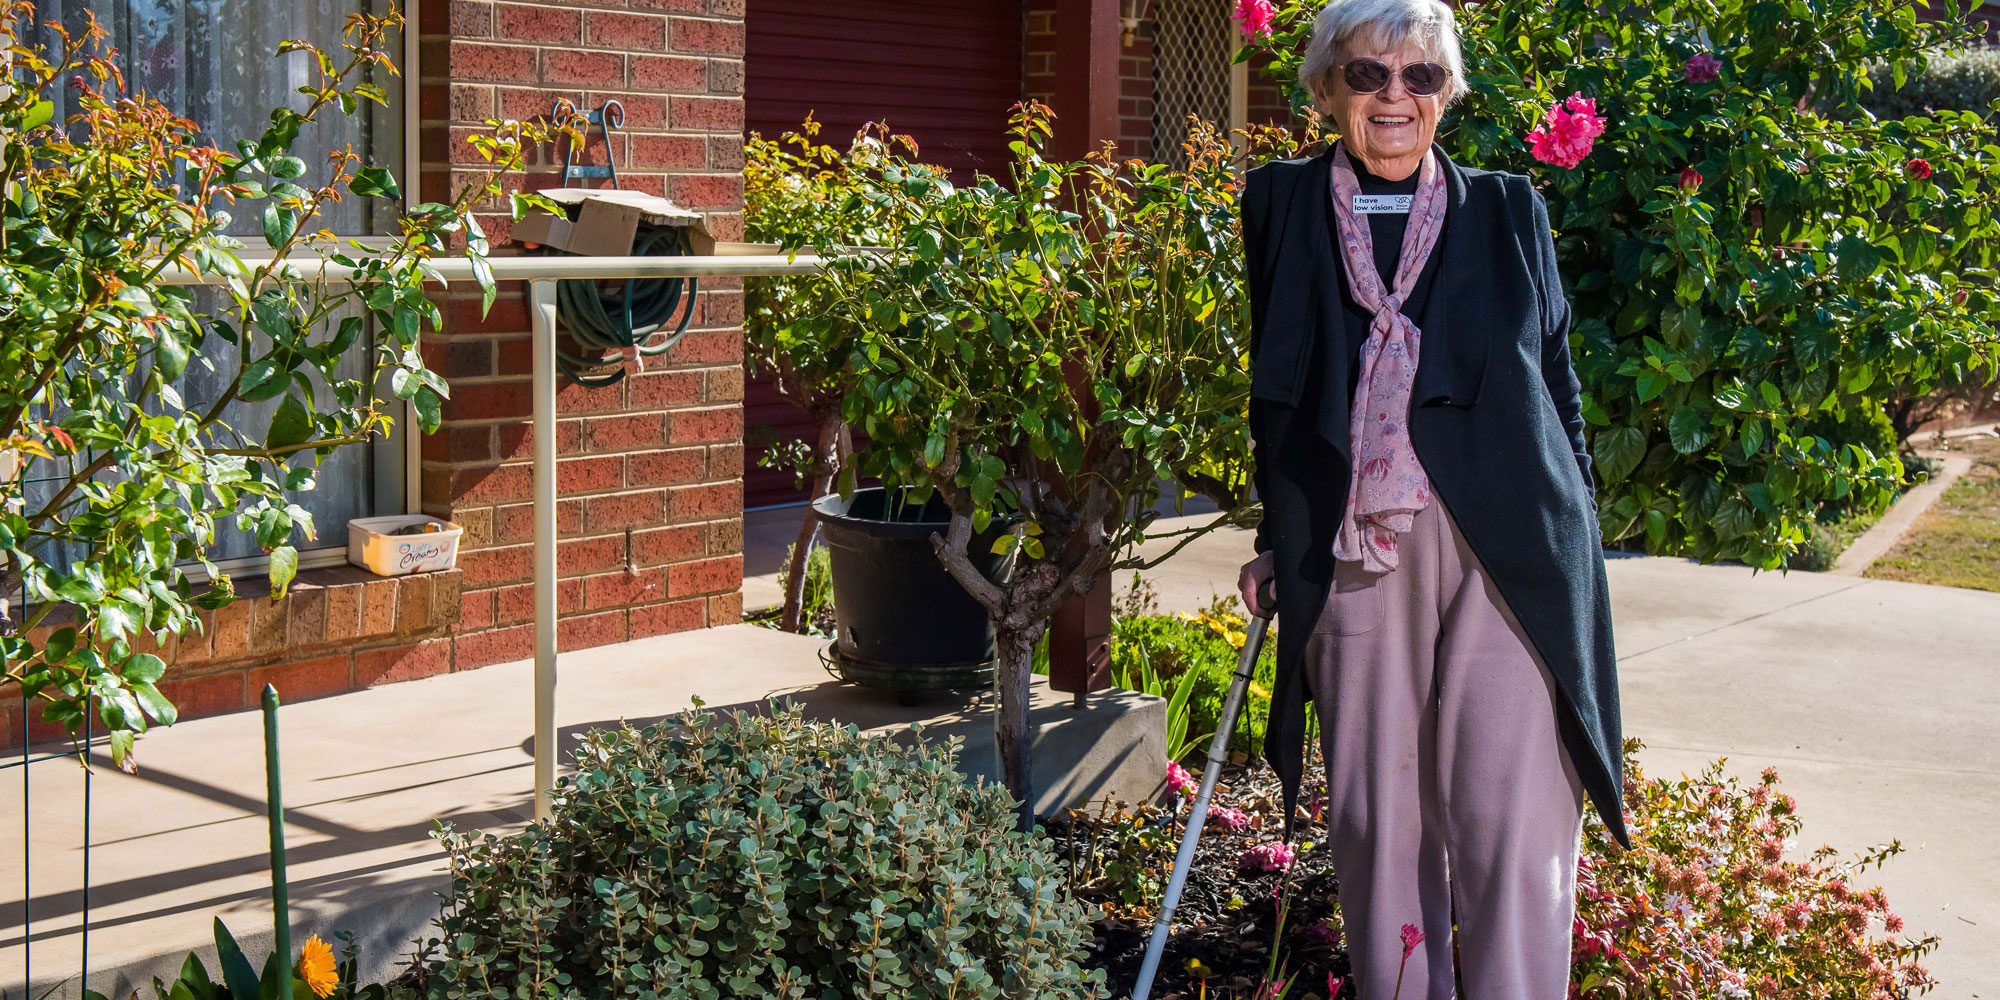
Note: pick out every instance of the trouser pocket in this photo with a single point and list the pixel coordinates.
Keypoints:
(1353, 603)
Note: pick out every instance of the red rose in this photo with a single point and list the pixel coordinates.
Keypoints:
(1918, 167)
(1690, 179)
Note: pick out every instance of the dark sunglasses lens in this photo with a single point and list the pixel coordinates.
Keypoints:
(1366, 76)
(1425, 78)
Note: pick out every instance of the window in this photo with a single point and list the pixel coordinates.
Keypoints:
(215, 62)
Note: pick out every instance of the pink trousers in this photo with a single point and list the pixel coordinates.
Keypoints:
(1449, 795)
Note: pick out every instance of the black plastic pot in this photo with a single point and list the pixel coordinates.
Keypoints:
(901, 622)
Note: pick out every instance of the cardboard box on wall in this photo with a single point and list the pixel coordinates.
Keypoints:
(603, 222)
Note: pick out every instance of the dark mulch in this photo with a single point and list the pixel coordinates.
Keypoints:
(1227, 916)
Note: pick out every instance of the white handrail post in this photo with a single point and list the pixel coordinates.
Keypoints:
(542, 297)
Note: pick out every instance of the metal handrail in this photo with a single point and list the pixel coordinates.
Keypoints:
(541, 273)
(725, 263)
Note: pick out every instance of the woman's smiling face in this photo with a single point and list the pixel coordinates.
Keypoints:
(1390, 129)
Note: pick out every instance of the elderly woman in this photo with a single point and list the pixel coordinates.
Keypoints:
(1429, 523)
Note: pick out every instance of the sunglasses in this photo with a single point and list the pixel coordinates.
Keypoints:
(1367, 76)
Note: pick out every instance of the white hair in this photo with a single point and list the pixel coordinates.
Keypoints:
(1389, 24)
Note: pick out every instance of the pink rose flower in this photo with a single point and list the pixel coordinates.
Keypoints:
(1276, 856)
(1690, 179)
(1567, 132)
(1256, 15)
(1918, 167)
(1703, 68)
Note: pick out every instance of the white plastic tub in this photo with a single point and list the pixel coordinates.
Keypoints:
(371, 546)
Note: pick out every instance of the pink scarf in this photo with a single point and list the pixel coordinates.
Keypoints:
(1386, 485)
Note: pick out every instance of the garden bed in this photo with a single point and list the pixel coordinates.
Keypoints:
(1229, 915)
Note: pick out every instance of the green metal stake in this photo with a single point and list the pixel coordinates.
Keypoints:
(281, 910)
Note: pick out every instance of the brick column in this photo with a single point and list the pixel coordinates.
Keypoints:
(1073, 63)
(1073, 66)
(650, 470)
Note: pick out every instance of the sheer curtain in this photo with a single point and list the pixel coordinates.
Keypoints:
(216, 62)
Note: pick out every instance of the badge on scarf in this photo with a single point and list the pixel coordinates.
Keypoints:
(1383, 204)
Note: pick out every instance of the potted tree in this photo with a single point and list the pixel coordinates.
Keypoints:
(1043, 354)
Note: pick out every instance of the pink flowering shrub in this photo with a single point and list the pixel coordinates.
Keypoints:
(1706, 905)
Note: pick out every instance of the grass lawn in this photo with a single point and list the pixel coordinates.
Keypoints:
(1957, 542)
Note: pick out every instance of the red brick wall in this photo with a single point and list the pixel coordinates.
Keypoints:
(1135, 76)
(650, 469)
(1135, 94)
(1038, 72)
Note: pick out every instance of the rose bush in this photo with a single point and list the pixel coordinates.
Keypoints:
(124, 482)
(1754, 260)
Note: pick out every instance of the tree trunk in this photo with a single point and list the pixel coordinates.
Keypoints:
(1013, 729)
(829, 458)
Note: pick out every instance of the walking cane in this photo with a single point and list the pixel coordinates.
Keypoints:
(1218, 750)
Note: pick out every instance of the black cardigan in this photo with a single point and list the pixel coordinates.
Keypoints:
(1494, 418)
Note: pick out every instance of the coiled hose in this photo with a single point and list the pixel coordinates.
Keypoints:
(620, 324)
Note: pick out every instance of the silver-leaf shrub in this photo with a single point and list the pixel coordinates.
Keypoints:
(761, 856)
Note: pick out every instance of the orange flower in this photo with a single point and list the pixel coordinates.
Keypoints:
(317, 967)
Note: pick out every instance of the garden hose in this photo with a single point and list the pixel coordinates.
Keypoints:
(619, 325)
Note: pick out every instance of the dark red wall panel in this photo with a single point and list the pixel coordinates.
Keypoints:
(945, 72)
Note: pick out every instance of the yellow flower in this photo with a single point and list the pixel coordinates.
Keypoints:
(1195, 968)
(316, 966)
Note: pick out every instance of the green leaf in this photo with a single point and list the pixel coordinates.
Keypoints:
(430, 409)
(279, 222)
(156, 704)
(345, 335)
(284, 567)
(290, 425)
(287, 166)
(374, 182)
(62, 642)
(1656, 528)
(1688, 429)
(144, 668)
(1617, 451)
(1752, 436)
(39, 114)
(236, 971)
(121, 754)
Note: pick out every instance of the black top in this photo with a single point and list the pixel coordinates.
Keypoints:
(1385, 230)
